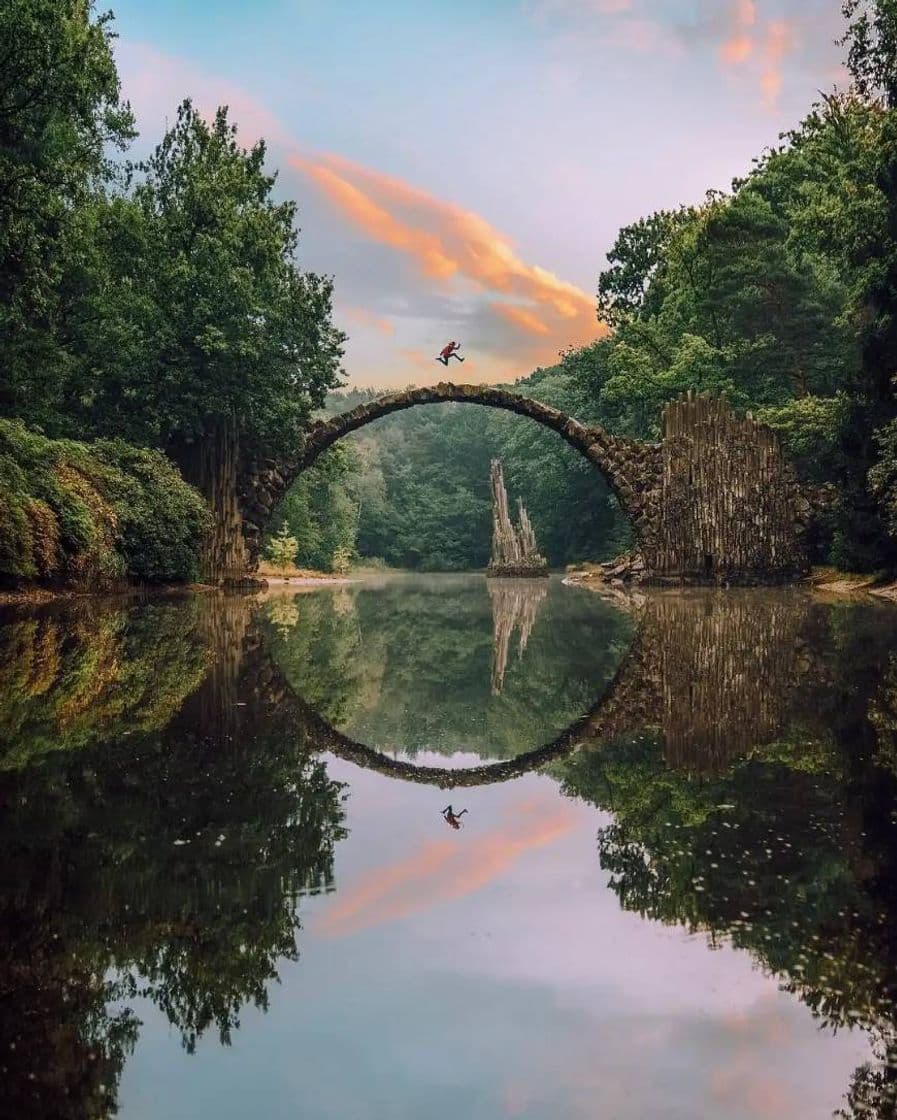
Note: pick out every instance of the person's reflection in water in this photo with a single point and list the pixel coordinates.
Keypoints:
(451, 818)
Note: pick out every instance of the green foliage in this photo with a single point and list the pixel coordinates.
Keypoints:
(341, 560)
(93, 514)
(883, 476)
(872, 40)
(282, 548)
(184, 305)
(60, 111)
(217, 319)
(321, 512)
(734, 301)
(809, 428)
(637, 262)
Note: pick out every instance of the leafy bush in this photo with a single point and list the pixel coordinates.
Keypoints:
(282, 549)
(93, 514)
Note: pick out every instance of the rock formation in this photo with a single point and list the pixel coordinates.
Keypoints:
(514, 548)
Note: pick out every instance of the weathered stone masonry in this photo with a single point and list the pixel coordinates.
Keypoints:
(714, 501)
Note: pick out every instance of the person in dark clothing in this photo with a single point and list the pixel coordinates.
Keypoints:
(453, 819)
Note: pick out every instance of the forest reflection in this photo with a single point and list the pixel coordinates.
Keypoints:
(167, 806)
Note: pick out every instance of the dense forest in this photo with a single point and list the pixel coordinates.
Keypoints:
(162, 302)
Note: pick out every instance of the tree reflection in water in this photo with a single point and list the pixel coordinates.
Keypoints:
(165, 809)
(775, 834)
(408, 666)
(167, 864)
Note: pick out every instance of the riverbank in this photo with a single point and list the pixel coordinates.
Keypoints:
(265, 578)
(99, 515)
(823, 581)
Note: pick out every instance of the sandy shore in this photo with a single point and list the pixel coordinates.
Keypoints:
(309, 581)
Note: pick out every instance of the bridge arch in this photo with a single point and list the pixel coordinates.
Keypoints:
(716, 501)
(627, 702)
(628, 466)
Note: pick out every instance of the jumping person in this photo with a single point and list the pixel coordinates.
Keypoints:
(450, 351)
(452, 819)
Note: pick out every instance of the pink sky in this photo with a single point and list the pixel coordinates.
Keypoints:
(462, 173)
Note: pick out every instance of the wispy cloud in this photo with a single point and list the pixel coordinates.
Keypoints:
(365, 318)
(778, 43)
(516, 315)
(155, 83)
(376, 221)
(451, 245)
(520, 317)
(740, 33)
(739, 46)
(763, 43)
(447, 869)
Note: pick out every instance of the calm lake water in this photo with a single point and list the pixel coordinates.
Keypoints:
(228, 888)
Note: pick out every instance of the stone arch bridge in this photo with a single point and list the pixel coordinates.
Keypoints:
(714, 501)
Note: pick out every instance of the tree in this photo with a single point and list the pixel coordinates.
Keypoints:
(321, 513)
(872, 251)
(341, 560)
(872, 41)
(227, 345)
(60, 111)
(282, 549)
(628, 289)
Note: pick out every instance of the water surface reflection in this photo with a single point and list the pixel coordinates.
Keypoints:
(175, 839)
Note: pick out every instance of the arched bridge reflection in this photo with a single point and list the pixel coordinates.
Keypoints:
(715, 674)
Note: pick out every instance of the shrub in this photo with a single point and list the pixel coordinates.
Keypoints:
(93, 514)
(282, 549)
(341, 560)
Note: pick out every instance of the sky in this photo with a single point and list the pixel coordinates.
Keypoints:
(462, 168)
(490, 973)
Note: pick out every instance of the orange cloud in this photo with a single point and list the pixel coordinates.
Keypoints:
(367, 318)
(447, 869)
(450, 243)
(779, 43)
(740, 45)
(737, 49)
(377, 222)
(520, 317)
(476, 249)
(770, 47)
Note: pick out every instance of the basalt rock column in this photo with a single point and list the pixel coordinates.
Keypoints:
(514, 549)
(729, 507)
